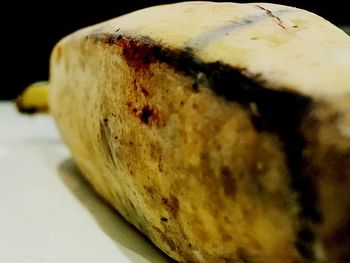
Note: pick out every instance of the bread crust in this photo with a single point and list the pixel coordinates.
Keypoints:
(212, 128)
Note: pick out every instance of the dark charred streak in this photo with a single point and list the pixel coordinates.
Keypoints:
(306, 235)
(305, 240)
(164, 219)
(270, 14)
(195, 87)
(305, 249)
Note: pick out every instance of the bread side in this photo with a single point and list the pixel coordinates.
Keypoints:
(212, 161)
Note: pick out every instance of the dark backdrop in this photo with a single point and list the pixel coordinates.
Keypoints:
(30, 30)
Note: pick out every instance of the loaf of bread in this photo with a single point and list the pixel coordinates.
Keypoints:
(219, 130)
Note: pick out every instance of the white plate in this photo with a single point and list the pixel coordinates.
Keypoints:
(48, 213)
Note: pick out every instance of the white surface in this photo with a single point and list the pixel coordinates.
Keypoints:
(48, 213)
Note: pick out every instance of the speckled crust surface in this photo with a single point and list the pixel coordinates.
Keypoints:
(221, 131)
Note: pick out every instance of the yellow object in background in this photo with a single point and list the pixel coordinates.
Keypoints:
(34, 98)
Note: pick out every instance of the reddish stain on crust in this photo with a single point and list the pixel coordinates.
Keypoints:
(148, 115)
(144, 92)
(137, 55)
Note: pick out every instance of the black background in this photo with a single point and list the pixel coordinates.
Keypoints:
(30, 30)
